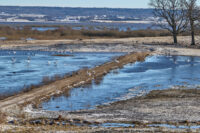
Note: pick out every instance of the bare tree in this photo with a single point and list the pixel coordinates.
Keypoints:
(173, 13)
(193, 16)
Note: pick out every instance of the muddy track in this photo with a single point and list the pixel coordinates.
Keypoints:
(81, 77)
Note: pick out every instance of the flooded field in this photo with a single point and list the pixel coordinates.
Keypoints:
(19, 69)
(155, 73)
(102, 26)
(86, 25)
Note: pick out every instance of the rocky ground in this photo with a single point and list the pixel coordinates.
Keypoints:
(177, 106)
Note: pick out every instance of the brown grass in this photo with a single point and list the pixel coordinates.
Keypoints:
(45, 81)
(2, 117)
(173, 93)
(68, 33)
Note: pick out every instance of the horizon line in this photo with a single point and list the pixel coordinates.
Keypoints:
(73, 7)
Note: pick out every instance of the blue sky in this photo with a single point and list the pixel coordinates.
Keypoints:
(79, 3)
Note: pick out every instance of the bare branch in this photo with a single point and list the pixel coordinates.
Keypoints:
(171, 12)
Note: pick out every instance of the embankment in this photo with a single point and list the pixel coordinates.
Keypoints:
(84, 76)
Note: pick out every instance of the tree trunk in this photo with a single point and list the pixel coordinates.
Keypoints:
(174, 32)
(192, 33)
(193, 39)
(175, 38)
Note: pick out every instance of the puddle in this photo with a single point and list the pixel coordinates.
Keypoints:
(175, 127)
(112, 125)
(116, 125)
(124, 125)
(156, 73)
(44, 28)
(23, 68)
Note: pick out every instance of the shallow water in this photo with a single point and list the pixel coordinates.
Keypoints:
(87, 26)
(23, 68)
(156, 72)
(44, 28)
(108, 125)
(175, 126)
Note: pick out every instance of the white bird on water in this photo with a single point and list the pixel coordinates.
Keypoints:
(28, 60)
(55, 63)
(88, 73)
(71, 51)
(13, 59)
(49, 62)
(116, 61)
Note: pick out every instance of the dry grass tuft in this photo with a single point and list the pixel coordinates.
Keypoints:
(2, 117)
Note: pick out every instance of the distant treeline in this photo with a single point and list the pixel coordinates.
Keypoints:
(62, 32)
